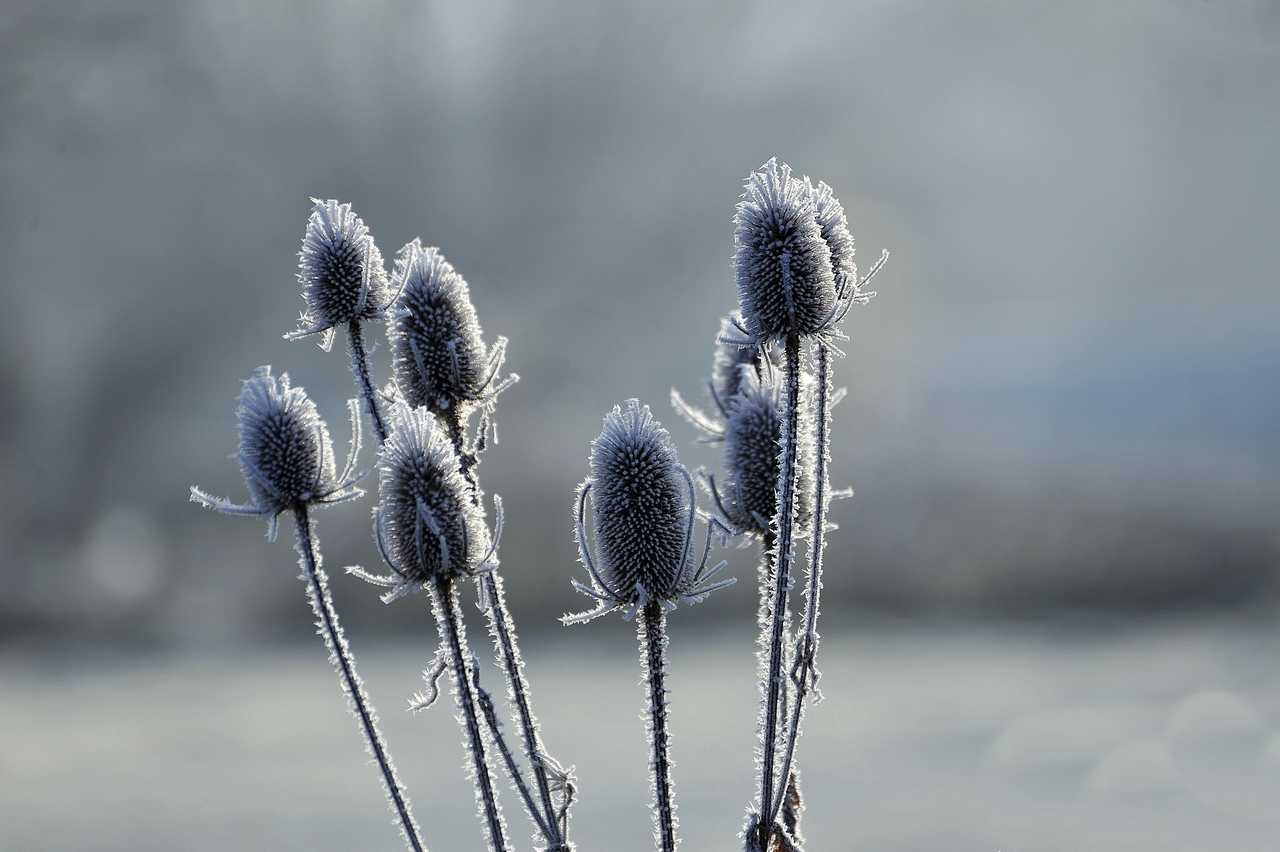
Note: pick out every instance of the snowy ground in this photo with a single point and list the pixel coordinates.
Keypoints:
(1155, 737)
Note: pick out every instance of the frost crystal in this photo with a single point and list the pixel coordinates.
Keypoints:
(785, 282)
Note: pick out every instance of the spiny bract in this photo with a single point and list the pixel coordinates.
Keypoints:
(641, 503)
(340, 270)
(439, 356)
(785, 282)
(427, 523)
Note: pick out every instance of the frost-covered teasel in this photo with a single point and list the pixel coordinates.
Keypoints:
(341, 272)
(285, 452)
(426, 523)
(439, 357)
(645, 510)
(785, 283)
(829, 214)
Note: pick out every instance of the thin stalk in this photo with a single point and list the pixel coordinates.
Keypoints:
(444, 600)
(485, 700)
(517, 691)
(780, 583)
(652, 629)
(340, 656)
(804, 673)
(508, 654)
(364, 379)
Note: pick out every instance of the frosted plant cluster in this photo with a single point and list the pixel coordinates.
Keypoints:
(772, 395)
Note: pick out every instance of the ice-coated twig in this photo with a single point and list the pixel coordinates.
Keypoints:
(444, 600)
(327, 625)
(651, 628)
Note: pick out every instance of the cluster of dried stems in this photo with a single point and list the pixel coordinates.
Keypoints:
(772, 389)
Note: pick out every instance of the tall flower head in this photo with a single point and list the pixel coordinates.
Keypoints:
(829, 214)
(439, 356)
(426, 523)
(748, 497)
(644, 514)
(785, 281)
(340, 270)
(285, 454)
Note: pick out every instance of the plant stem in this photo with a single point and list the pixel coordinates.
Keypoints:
(804, 673)
(340, 656)
(508, 654)
(775, 687)
(652, 629)
(444, 601)
(364, 380)
(517, 691)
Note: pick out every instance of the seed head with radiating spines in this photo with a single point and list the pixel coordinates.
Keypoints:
(439, 356)
(285, 453)
(785, 283)
(641, 504)
(752, 442)
(340, 270)
(829, 214)
(427, 523)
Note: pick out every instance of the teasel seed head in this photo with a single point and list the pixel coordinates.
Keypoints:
(641, 502)
(645, 511)
(752, 441)
(439, 358)
(785, 282)
(285, 453)
(340, 270)
(426, 523)
(829, 214)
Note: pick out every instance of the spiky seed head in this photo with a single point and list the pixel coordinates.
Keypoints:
(835, 230)
(428, 522)
(340, 269)
(438, 355)
(738, 361)
(752, 443)
(285, 452)
(783, 265)
(641, 504)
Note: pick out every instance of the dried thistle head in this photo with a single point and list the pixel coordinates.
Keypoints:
(829, 214)
(427, 523)
(340, 270)
(786, 286)
(285, 453)
(748, 496)
(439, 357)
(644, 514)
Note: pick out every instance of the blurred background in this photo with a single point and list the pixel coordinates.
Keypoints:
(1061, 426)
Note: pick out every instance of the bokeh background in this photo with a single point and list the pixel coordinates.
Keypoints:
(1062, 424)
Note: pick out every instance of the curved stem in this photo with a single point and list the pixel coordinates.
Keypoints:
(804, 673)
(652, 629)
(340, 656)
(364, 379)
(444, 600)
(775, 687)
